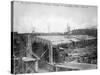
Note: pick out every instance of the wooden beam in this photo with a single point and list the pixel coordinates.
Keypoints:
(30, 53)
(29, 48)
(36, 66)
(50, 54)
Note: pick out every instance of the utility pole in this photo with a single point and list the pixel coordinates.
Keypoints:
(68, 28)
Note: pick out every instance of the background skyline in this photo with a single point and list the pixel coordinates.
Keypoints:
(41, 17)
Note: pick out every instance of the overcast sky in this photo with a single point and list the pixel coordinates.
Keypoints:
(52, 18)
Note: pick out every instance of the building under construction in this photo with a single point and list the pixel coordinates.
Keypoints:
(33, 53)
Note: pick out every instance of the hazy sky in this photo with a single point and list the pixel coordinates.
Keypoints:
(52, 18)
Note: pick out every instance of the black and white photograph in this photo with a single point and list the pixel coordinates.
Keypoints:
(53, 37)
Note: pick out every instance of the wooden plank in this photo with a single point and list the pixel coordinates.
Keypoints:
(28, 59)
(77, 66)
(80, 66)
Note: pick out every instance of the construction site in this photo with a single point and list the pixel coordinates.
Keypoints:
(50, 37)
(52, 52)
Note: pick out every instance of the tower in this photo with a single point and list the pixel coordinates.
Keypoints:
(67, 30)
